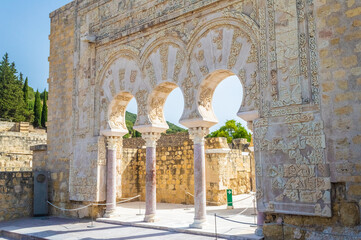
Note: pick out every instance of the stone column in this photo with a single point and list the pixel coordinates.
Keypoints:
(260, 222)
(197, 135)
(111, 175)
(150, 176)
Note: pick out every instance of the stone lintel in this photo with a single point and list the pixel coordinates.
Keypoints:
(219, 150)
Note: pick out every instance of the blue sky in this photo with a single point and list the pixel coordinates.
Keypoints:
(24, 31)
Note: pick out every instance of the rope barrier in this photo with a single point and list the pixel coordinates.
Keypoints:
(92, 204)
(243, 199)
(230, 220)
(206, 201)
(128, 199)
(69, 210)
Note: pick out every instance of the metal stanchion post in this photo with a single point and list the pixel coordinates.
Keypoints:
(91, 214)
(254, 206)
(139, 209)
(215, 225)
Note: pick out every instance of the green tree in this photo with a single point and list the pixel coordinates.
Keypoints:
(37, 110)
(12, 105)
(43, 94)
(25, 91)
(231, 130)
(44, 113)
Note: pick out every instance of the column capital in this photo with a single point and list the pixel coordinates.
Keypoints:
(151, 138)
(112, 142)
(197, 134)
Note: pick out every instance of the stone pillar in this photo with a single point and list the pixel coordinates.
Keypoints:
(197, 135)
(260, 221)
(150, 176)
(111, 175)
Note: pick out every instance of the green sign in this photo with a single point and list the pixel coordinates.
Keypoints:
(229, 198)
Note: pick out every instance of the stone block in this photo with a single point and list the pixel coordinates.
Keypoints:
(349, 61)
(349, 214)
(353, 12)
(328, 86)
(343, 110)
(354, 190)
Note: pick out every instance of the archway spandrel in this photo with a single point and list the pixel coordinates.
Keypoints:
(164, 60)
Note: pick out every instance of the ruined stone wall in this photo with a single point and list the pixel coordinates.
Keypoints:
(16, 195)
(225, 168)
(15, 153)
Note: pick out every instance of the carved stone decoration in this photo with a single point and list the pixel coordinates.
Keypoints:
(197, 134)
(178, 65)
(112, 142)
(156, 112)
(205, 98)
(151, 138)
(164, 60)
(142, 97)
(151, 74)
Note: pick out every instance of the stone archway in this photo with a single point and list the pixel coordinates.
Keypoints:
(193, 45)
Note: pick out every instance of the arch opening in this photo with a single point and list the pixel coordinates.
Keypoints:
(226, 101)
(206, 94)
(157, 104)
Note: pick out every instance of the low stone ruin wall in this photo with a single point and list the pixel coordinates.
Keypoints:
(15, 142)
(16, 195)
(227, 167)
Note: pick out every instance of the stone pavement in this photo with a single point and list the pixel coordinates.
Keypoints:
(72, 229)
(177, 217)
(173, 223)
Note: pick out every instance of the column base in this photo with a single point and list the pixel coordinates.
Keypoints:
(259, 231)
(109, 214)
(199, 224)
(230, 207)
(150, 218)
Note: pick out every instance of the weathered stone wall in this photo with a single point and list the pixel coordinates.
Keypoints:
(15, 153)
(16, 195)
(339, 40)
(225, 168)
(60, 105)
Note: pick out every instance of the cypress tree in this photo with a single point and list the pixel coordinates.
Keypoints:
(12, 105)
(26, 91)
(37, 110)
(44, 113)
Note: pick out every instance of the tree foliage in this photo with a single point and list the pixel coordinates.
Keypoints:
(12, 104)
(37, 110)
(25, 91)
(44, 112)
(231, 130)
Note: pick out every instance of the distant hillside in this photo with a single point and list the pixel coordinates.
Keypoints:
(130, 119)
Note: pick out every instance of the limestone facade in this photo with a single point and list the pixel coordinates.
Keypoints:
(298, 62)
